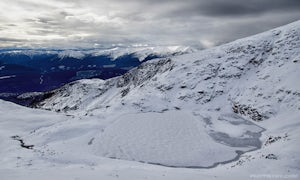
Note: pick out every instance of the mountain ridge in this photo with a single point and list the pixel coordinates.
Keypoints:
(223, 68)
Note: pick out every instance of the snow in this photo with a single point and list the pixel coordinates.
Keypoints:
(174, 138)
(39, 127)
(16, 120)
(7, 77)
(109, 66)
(230, 112)
(61, 67)
(72, 54)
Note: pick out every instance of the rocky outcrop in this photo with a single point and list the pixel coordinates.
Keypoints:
(247, 111)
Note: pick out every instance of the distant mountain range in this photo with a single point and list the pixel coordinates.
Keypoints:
(31, 70)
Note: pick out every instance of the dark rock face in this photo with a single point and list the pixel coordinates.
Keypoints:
(247, 111)
(144, 72)
(22, 143)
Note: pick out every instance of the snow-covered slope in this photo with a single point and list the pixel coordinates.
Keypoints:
(206, 109)
(253, 78)
(259, 71)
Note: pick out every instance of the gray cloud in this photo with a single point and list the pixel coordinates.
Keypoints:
(84, 23)
(3, 39)
(223, 8)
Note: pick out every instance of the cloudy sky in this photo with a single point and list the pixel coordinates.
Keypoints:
(92, 23)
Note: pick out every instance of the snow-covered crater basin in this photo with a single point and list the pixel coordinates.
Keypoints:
(178, 139)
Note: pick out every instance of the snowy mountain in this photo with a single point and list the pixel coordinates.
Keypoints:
(34, 70)
(254, 75)
(232, 111)
(140, 52)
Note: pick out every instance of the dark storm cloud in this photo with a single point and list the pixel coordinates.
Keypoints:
(4, 39)
(45, 20)
(234, 8)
